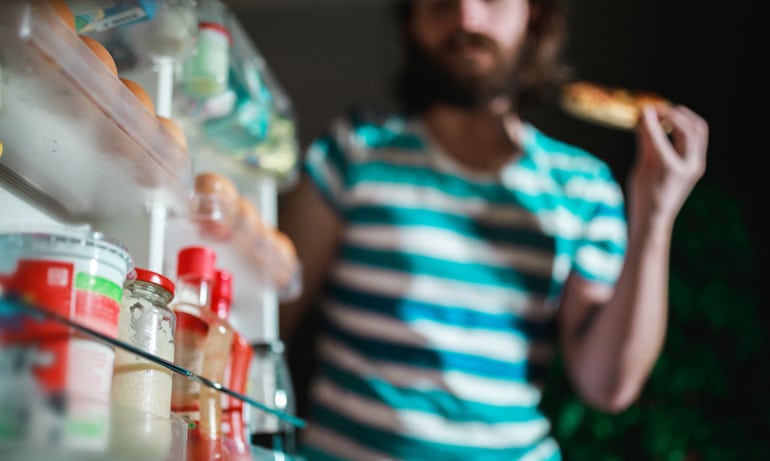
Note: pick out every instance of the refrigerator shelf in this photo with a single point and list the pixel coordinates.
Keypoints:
(74, 135)
(12, 309)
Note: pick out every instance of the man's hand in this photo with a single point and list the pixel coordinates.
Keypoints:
(666, 167)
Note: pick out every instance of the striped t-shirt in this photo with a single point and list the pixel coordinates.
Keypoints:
(440, 305)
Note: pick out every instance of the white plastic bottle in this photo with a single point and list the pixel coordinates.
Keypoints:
(205, 73)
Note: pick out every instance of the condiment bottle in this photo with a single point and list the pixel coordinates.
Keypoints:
(236, 375)
(207, 441)
(195, 274)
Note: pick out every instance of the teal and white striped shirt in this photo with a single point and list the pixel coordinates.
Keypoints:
(440, 306)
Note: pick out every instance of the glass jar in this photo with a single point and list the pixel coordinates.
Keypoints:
(269, 382)
(138, 384)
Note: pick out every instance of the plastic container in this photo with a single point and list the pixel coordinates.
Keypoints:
(45, 443)
(173, 30)
(80, 276)
(248, 122)
(205, 74)
(259, 133)
(147, 323)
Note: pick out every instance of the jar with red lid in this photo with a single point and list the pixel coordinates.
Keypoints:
(146, 322)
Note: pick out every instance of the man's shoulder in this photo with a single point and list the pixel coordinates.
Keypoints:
(377, 129)
(565, 156)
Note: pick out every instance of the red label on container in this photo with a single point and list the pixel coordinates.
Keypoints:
(48, 285)
(190, 323)
(97, 312)
(90, 300)
(189, 343)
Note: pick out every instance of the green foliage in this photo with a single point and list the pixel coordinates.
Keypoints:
(705, 399)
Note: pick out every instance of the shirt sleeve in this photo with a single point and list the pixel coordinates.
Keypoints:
(602, 247)
(327, 166)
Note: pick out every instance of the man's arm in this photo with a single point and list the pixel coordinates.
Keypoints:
(314, 228)
(612, 336)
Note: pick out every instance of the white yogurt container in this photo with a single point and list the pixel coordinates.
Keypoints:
(79, 275)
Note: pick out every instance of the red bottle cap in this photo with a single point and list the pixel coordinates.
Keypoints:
(222, 293)
(196, 262)
(215, 26)
(149, 276)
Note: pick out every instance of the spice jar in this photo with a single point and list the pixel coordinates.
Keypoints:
(140, 386)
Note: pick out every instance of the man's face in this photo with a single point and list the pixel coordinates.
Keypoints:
(470, 46)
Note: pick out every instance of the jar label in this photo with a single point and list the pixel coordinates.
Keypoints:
(189, 343)
(97, 303)
(53, 285)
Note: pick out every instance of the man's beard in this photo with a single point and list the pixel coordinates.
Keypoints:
(427, 79)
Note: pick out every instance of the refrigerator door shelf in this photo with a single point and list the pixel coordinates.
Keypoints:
(72, 131)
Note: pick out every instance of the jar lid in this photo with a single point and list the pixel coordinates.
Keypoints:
(50, 242)
(217, 27)
(149, 276)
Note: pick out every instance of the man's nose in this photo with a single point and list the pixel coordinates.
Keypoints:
(472, 15)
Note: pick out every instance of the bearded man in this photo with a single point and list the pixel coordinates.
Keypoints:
(453, 246)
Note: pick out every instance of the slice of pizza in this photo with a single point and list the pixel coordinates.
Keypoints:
(607, 105)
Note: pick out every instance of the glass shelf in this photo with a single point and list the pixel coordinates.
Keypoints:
(11, 308)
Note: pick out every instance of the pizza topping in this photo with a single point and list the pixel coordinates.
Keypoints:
(605, 105)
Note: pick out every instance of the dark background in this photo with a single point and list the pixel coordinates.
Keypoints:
(331, 54)
(707, 397)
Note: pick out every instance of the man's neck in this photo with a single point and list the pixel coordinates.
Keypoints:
(482, 140)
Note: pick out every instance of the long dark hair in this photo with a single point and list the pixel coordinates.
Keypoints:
(540, 66)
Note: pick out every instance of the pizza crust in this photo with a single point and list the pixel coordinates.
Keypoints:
(604, 105)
